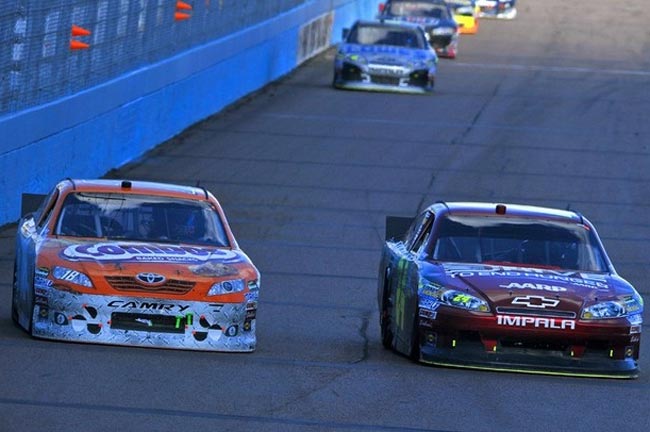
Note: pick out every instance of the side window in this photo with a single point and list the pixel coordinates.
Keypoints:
(421, 231)
(43, 213)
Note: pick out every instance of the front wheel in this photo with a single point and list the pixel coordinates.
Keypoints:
(385, 320)
(414, 351)
(14, 296)
(15, 300)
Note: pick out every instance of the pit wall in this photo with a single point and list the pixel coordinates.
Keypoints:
(88, 133)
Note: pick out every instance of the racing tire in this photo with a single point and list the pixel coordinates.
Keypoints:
(14, 288)
(385, 319)
(414, 351)
(14, 310)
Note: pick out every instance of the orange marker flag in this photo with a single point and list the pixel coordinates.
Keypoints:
(183, 6)
(179, 16)
(79, 31)
(77, 45)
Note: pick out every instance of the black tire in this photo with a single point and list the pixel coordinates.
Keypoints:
(414, 351)
(14, 287)
(385, 318)
(14, 311)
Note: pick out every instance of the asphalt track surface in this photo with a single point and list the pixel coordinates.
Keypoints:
(549, 109)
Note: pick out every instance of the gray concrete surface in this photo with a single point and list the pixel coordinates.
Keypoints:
(549, 109)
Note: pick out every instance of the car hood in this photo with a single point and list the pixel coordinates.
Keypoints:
(427, 22)
(512, 289)
(101, 258)
(386, 54)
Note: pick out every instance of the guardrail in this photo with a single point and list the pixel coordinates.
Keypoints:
(70, 109)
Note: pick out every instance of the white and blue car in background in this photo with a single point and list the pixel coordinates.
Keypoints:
(385, 56)
(504, 9)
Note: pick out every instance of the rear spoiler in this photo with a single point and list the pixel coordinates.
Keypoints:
(397, 226)
(30, 203)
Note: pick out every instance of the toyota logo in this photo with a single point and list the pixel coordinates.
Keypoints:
(150, 278)
(537, 302)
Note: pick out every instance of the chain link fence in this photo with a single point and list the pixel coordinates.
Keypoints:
(38, 63)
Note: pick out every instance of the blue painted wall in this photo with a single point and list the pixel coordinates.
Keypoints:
(89, 133)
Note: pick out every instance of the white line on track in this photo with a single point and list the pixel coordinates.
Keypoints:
(559, 69)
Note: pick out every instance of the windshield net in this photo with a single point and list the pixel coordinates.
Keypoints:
(140, 218)
(518, 241)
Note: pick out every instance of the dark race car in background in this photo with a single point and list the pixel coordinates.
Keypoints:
(435, 16)
(383, 56)
(504, 9)
(507, 287)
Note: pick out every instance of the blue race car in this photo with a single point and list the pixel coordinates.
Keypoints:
(383, 56)
(435, 16)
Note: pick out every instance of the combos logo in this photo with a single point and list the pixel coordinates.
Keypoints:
(535, 302)
(146, 253)
(536, 322)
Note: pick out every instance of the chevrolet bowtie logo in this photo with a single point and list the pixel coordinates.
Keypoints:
(533, 301)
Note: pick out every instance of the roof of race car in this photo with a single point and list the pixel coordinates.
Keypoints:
(386, 22)
(135, 187)
(517, 210)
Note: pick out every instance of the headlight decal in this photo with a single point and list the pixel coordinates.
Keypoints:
(73, 276)
(227, 287)
(452, 297)
(617, 308)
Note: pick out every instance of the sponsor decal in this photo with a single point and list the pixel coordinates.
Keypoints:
(213, 269)
(151, 279)
(135, 252)
(155, 306)
(428, 303)
(536, 322)
(544, 275)
(534, 286)
(252, 295)
(42, 272)
(40, 281)
(536, 302)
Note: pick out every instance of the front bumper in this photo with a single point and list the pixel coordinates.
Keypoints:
(145, 322)
(352, 77)
(604, 350)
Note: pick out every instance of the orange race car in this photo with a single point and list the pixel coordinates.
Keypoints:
(466, 14)
(134, 263)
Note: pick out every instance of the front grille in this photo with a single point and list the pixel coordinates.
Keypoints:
(387, 70)
(171, 286)
(380, 79)
(530, 312)
(148, 322)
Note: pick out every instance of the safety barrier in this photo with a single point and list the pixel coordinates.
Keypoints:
(52, 126)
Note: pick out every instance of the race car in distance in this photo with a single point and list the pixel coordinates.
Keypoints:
(382, 56)
(506, 287)
(134, 263)
(505, 9)
(466, 14)
(435, 16)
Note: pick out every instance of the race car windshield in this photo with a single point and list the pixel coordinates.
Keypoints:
(518, 241)
(386, 35)
(140, 218)
(418, 9)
